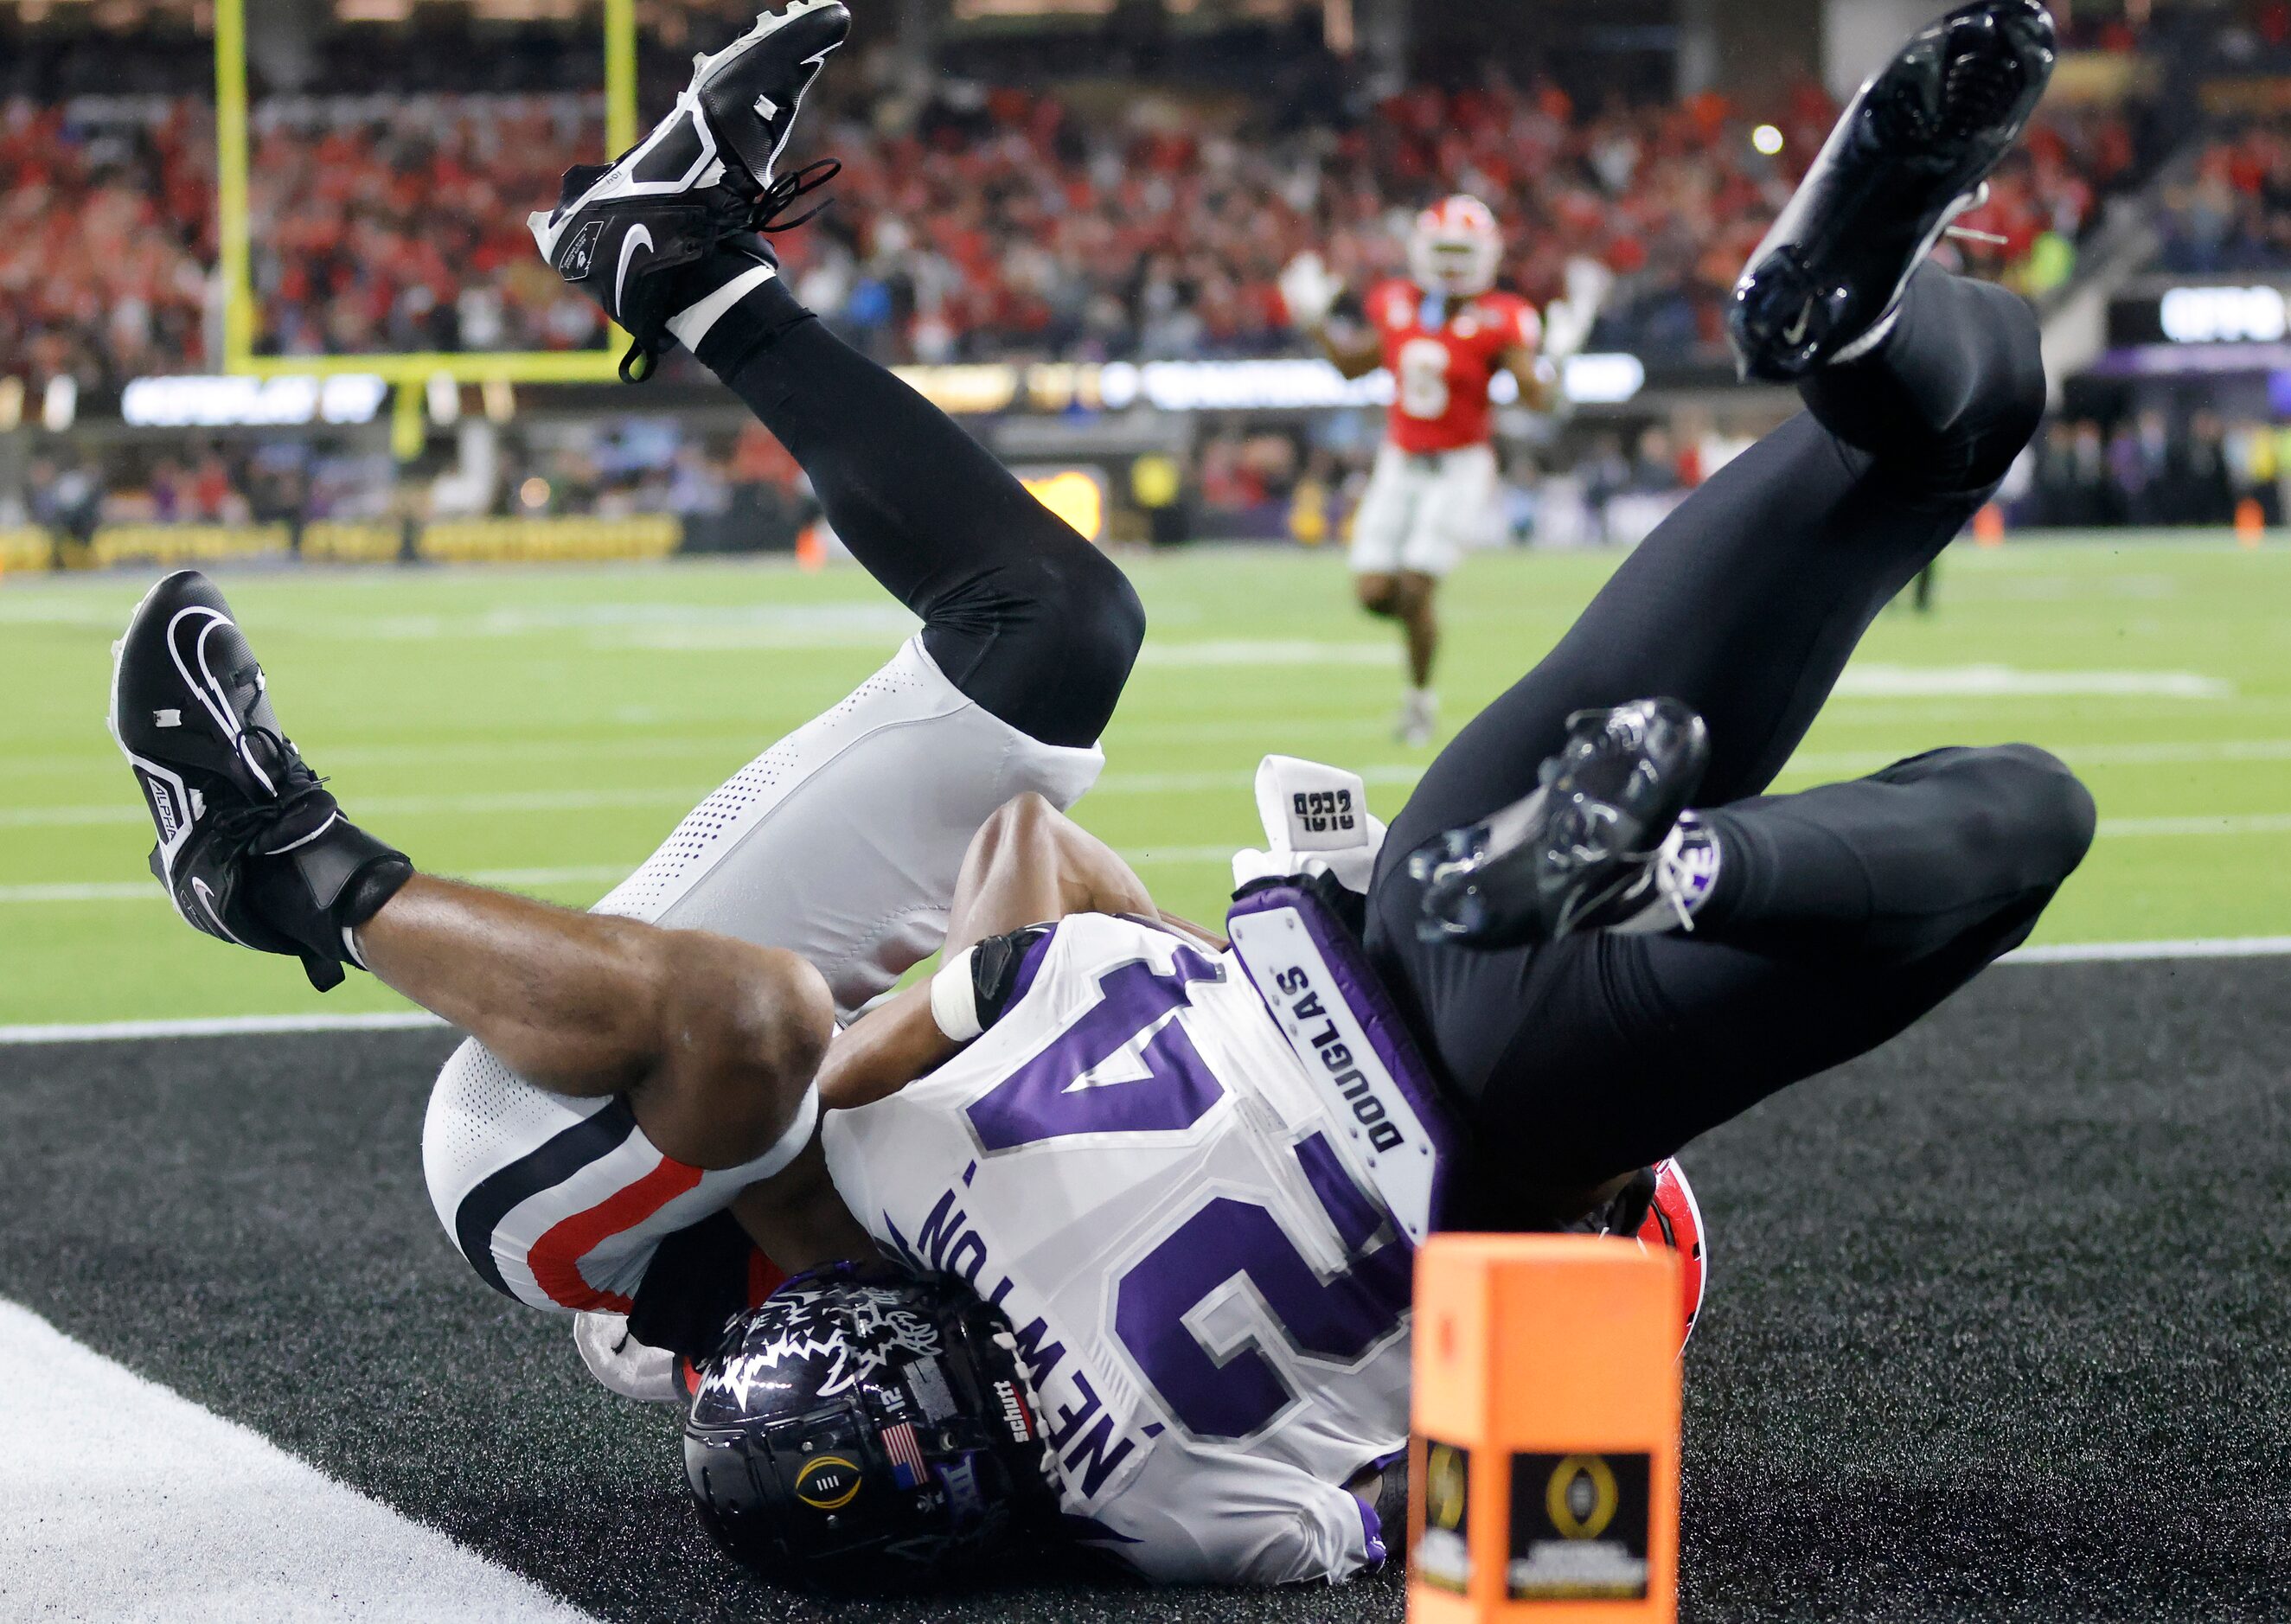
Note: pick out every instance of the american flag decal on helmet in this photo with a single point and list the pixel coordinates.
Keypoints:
(906, 1453)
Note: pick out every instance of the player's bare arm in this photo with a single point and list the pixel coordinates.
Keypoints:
(1538, 383)
(1356, 353)
(1030, 864)
(798, 1221)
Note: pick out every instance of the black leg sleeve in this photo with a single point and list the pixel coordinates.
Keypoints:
(1850, 910)
(1747, 601)
(1951, 396)
(1025, 616)
(1896, 866)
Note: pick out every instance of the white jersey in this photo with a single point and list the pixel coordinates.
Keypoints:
(1211, 1299)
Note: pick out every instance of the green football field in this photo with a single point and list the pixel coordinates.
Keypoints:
(544, 730)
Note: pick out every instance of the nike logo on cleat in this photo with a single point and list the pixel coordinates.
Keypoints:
(1795, 334)
(207, 901)
(629, 246)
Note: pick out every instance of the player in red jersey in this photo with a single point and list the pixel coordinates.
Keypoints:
(1444, 333)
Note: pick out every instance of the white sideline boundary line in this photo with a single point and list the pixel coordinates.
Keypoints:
(2125, 953)
(213, 1521)
(220, 1026)
(413, 1020)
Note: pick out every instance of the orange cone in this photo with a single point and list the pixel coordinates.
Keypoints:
(810, 550)
(1989, 526)
(2250, 522)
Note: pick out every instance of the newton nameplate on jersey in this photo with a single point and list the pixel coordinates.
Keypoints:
(1303, 966)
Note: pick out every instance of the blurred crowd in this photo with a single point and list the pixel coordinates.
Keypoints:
(737, 480)
(2233, 212)
(106, 238)
(1004, 224)
(397, 225)
(2150, 469)
(981, 223)
(735, 488)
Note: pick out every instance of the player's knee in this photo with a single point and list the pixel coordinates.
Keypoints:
(2014, 388)
(741, 1031)
(1093, 625)
(1024, 817)
(2047, 816)
(1378, 594)
(1021, 834)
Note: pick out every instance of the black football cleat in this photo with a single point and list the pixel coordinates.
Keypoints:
(1911, 152)
(1606, 843)
(703, 175)
(252, 848)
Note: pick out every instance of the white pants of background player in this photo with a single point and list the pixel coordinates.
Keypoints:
(1421, 514)
(841, 842)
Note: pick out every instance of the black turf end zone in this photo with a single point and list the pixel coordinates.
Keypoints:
(1996, 1326)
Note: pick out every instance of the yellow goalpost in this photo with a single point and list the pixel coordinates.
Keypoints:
(408, 373)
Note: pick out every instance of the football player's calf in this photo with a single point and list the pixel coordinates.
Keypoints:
(252, 848)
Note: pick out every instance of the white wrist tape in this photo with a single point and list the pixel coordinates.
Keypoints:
(954, 999)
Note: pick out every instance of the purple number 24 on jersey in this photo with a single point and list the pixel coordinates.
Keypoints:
(1338, 1318)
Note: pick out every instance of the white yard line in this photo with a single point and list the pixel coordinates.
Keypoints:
(121, 1499)
(2252, 823)
(145, 890)
(124, 810)
(92, 891)
(1164, 783)
(386, 805)
(2152, 754)
(1878, 679)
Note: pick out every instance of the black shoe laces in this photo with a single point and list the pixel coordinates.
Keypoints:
(761, 212)
(249, 825)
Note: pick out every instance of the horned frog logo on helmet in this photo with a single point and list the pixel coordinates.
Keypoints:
(858, 1330)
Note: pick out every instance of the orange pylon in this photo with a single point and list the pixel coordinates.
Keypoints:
(1543, 1469)
(2250, 522)
(1989, 526)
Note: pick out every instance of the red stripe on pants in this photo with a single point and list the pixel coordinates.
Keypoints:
(555, 1258)
(764, 1277)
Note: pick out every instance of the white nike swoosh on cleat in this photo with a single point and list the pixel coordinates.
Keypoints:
(629, 246)
(1796, 332)
(207, 901)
